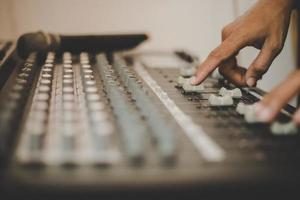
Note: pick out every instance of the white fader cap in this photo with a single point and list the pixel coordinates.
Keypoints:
(181, 80)
(215, 100)
(234, 93)
(288, 128)
(249, 112)
(187, 87)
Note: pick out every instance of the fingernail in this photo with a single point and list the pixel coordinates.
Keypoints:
(193, 80)
(251, 81)
(265, 114)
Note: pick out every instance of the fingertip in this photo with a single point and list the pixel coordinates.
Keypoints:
(193, 80)
(251, 81)
(264, 113)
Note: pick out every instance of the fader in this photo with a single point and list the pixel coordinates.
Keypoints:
(215, 100)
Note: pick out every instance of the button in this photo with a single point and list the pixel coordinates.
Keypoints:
(46, 75)
(288, 128)
(187, 87)
(87, 76)
(68, 105)
(68, 76)
(67, 66)
(248, 111)
(93, 97)
(67, 61)
(15, 95)
(215, 100)
(20, 81)
(91, 89)
(47, 69)
(90, 82)
(41, 105)
(68, 97)
(48, 65)
(241, 108)
(87, 71)
(234, 93)
(98, 116)
(181, 80)
(68, 89)
(26, 69)
(68, 71)
(43, 97)
(68, 81)
(45, 81)
(44, 88)
(96, 105)
(23, 75)
(86, 66)
(18, 87)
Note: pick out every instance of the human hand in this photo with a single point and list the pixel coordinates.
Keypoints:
(269, 107)
(264, 27)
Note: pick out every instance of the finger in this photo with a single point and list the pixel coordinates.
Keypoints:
(228, 48)
(268, 108)
(232, 72)
(296, 117)
(261, 64)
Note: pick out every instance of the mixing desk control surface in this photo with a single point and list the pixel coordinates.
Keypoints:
(121, 121)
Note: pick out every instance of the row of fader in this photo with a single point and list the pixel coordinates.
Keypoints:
(225, 98)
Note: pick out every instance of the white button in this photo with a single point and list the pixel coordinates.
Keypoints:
(93, 97)
(98, 116)
(18, 87)
(46, 75)
(41, 105)
(220, 100)
(68, 76)
(90, 82)
(68, 71)
(187, 87)
(234, 93)
(288, 128)
(68, 89)
(47, 70)
(43, 97)
(87, 71)
(86, 66)
(48, 65)
(45, 81)
(67, 66)
(248, 111)
(68, 81)
(91, 89)
(69, 105)
(68, 97)
(96, 106)
(44, 88)
(181, 80)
